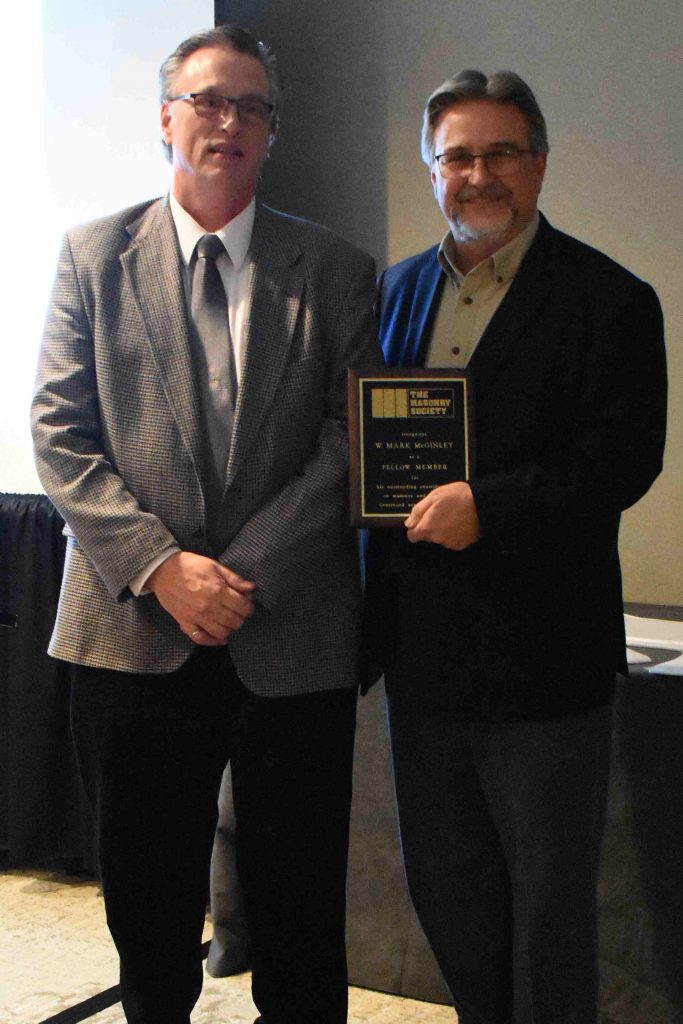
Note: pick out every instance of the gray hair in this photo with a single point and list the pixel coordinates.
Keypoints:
(229, 37)
(501, 87)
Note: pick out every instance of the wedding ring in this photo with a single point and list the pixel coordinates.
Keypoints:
(194, 633)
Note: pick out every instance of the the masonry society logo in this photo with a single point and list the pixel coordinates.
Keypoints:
(409, 403)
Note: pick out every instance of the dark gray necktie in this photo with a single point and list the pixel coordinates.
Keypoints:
(216, 361)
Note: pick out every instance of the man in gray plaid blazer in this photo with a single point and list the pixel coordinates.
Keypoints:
(210, 599)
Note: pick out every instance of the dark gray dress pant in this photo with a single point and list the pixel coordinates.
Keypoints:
(501, 827)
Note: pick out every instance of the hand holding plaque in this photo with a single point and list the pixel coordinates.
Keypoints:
(409, 432)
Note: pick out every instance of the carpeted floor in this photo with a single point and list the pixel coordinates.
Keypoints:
(55, 952)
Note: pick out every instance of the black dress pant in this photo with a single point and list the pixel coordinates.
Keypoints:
(501, 826)
(152, 750)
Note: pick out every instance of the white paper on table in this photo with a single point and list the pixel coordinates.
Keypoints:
(658, 633)
(636, 657)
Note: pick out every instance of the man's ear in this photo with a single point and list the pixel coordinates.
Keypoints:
(165, 120)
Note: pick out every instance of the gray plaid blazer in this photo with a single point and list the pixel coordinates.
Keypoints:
(119, 446)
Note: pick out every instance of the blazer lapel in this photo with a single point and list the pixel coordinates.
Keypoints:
(505, 332)
(427, 291)
(152, 266)
(276, 283)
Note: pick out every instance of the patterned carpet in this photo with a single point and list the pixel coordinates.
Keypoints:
(55, 952)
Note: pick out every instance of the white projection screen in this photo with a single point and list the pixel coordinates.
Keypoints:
(81, 140)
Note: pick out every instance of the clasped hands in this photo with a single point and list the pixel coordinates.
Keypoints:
(207, 600)
(446, 516)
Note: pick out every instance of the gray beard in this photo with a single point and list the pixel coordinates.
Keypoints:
(465, 233)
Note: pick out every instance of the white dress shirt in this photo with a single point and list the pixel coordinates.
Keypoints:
(236, 237)
(234, 271)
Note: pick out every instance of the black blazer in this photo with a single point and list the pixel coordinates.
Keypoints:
(570, 412)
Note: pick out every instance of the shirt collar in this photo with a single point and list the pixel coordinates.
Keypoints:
(504, 263)
(235, 235)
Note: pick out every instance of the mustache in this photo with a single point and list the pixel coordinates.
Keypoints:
(496, 190)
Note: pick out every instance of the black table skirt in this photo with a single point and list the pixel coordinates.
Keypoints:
(44, 821)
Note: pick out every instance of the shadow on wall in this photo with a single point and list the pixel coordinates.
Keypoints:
(329, 160)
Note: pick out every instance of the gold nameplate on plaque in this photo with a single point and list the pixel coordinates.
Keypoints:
(409, 432)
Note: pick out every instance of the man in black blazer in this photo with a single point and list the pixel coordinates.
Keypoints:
(497, 616)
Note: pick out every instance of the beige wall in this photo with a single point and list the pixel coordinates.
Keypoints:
(608, 76)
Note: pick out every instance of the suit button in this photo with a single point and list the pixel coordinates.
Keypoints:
(456, 350)
(468, 300)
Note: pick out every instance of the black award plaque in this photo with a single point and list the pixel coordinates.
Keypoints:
(409, 432)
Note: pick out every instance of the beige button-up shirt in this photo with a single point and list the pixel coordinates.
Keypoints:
(469, 302)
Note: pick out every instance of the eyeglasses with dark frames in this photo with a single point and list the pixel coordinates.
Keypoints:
(251, 110)
(500, 161)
